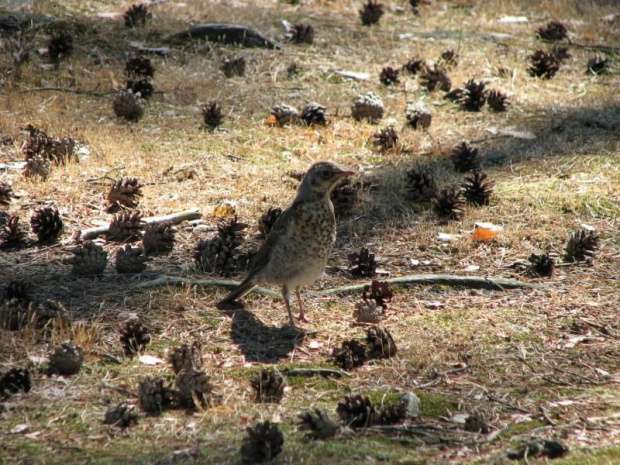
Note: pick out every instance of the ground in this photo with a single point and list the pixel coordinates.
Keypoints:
(535, 362)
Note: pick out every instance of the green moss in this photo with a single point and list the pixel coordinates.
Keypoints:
(519, 428)
(435, 405)
(599, 456)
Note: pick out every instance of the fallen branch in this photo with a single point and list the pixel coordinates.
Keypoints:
(314, 371)
(174, 218)
(179, 281)
(67, 90)
(229, 34)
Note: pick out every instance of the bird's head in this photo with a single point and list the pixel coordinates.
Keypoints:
(320, 179)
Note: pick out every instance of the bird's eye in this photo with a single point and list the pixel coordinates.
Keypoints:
(325, 174)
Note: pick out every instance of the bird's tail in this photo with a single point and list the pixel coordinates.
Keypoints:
(243, 289)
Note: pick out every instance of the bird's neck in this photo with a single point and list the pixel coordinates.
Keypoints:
(307, 193)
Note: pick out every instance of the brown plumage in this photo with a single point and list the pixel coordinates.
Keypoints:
(299, 243)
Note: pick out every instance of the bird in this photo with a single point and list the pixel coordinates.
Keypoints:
(300, 241)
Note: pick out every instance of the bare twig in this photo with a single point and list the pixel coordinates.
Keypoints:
(119, 389)
(507, 403)
(68, 91)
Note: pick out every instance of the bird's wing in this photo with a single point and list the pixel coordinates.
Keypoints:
(278, 230)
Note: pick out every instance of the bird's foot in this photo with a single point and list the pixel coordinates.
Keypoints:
(302, 319)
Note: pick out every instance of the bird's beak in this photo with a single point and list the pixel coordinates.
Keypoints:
(347, 173)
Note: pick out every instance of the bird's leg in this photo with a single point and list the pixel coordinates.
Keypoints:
(287, 299)
(302, 315)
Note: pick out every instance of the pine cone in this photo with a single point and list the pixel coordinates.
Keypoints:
(413, 66)
(455, 95)
(372, 12)
(543, 64)
(598, 64)
(139, 67)
(66, 359)
(16, 308)
(51, 314)
(368, 107)
(125, 192)
(465, 158)
(538, 447)
(268, 219)
(154, 396)
(234, 66)
(60, 46)
(218, 253)
(159, 237)
(125, 226)
(385, 139)
(285, 114)
(476, 190)
(560, 52)
(541, 265)
(11, 234)
(392, 413)
(449, 204)
(380, 343)
(343, 197)
(435, 78)
(37, 166)
(351, 354)
(418, 116)
(137, 15)
(313, 113)
(121, 415)
(131, 259)
(88, 259)
(367, 311)
(476, 424)
(421, 185)
(357, 412)
(582, 246)
(185, 357)
(126, 105)
(6, 194)
(318, 424)
(389, 76)
(302, 34)
(13, 381)
(134, 337)
(475, 96)
(193, 384)
(17, 290)
(141, 88)
(497, 101)
(378, 291)
(46, 223)
(449, 58)
(57, 150)
(262, 443)
(212, 115)
(362, 264)
(268, 387)
(554, 31)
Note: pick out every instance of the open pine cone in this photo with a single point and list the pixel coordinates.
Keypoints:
(378, 291)
(158, 237)
(16, 307)
(385, 139)
(302, 34)
(371, 12)
(475, 423)
(37, 166)
(14, 381)
(125, 192)
(313, 113)
(121, 415)
(362, 264)
(125, 226)
(553, 31)
(449, 204)
(418, 116)
(66, 359)
(392, 413)
(435, 78)
(475, 95)
(497, 101)
(543, 64)
(477, 190)
(141, 88)
(285, 114)
(541, 265)
(219, 253)
(60, 46)
(88, 259)
(46, 223)
(351, 354)
(380, 343)
(139, 67)
(127, 106)
(420, 185)
(318, 424)
(194, 385)
(131, 259)
(234, 66)
(389, 76)
(413, 66)
(583, 246)
(368, 107)
(155, 396)
(268, 387)
(465, 158)
(212, 114)
(186, 356)
(134, 337)
(11, 234)
(262, 443)
(449, 58)
(137, 15)
(357, 411)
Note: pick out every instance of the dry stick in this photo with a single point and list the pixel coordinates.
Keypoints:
(475, 282)
(175, 218)
(68, 90)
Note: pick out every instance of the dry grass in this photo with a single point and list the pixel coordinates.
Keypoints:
(529, 349)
